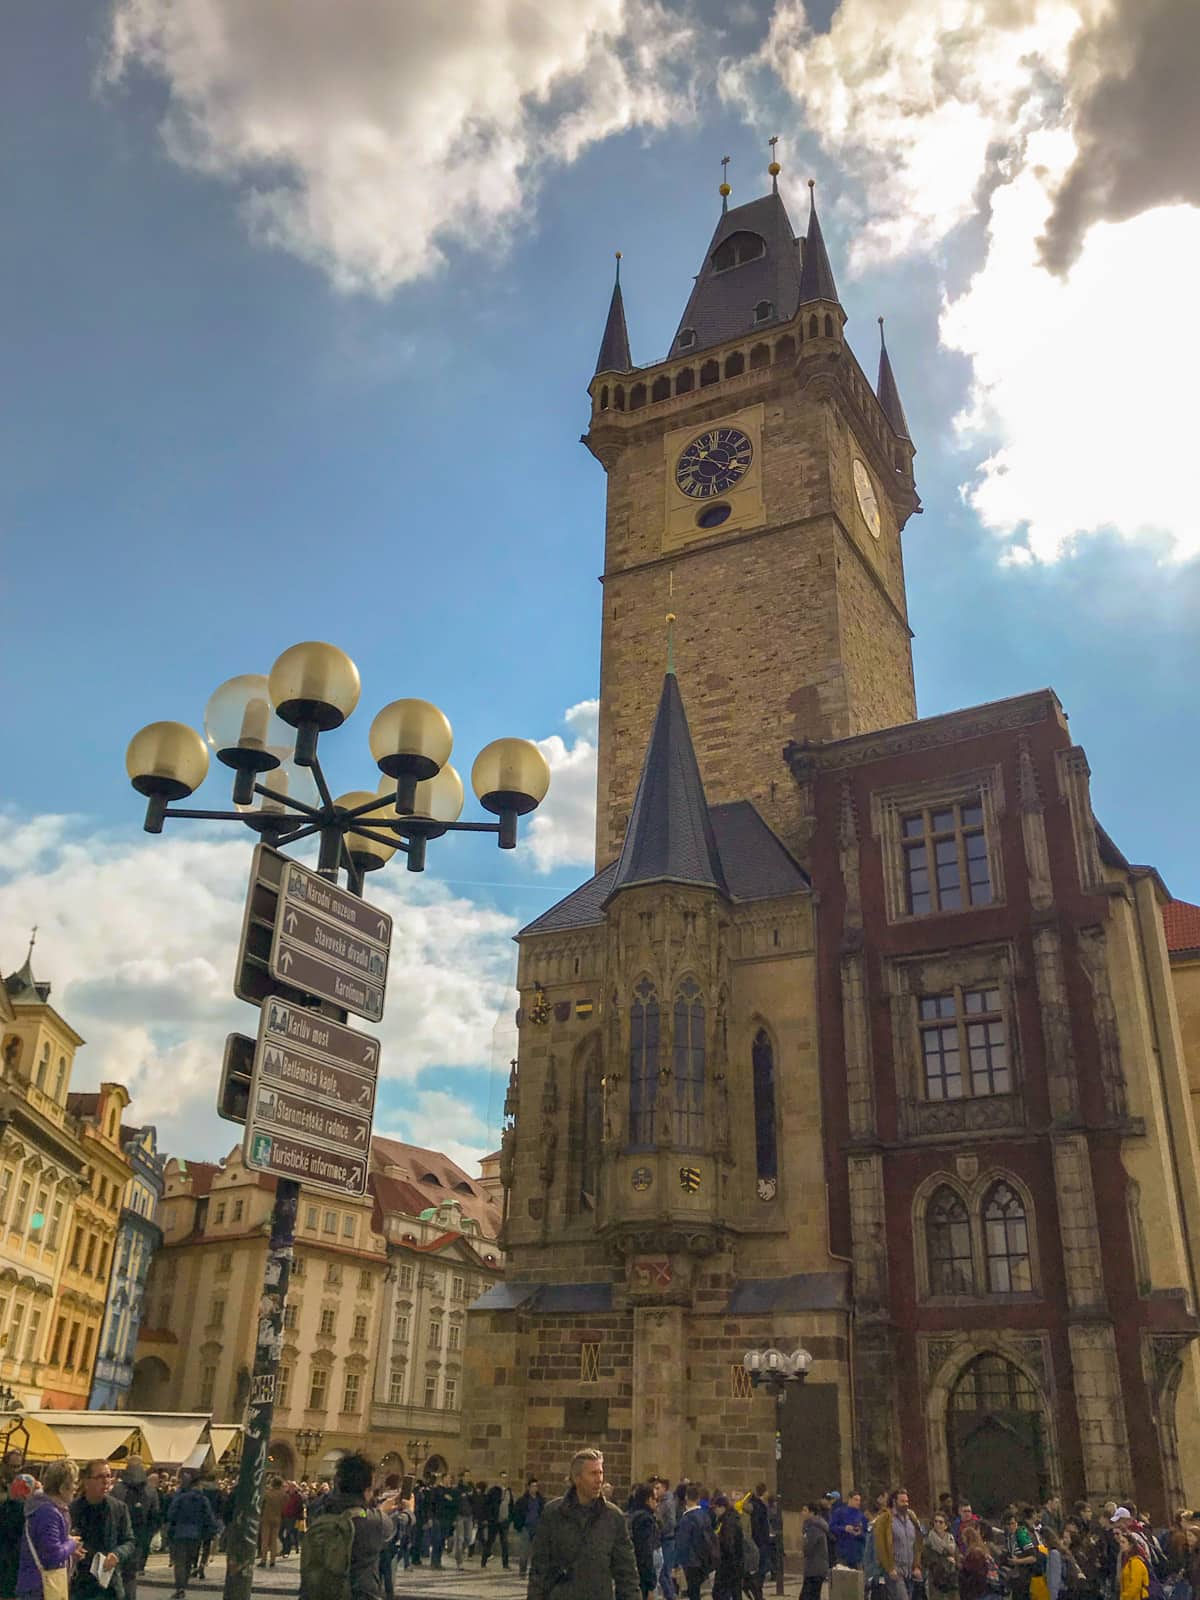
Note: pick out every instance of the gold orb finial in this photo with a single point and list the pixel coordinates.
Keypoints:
(774, 168)
(725, 189)
(670, 616)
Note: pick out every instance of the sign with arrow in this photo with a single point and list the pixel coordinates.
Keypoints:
(330, 944)
(312, 1097)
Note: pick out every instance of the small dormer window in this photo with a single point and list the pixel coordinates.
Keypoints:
(686, 339)
(737, 250)
(764, 311)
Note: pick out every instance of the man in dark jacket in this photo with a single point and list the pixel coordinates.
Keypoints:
(373, 1525)
(581, 1550)
(760, 1524)
(526, 1514)
(102, 1523)
(731, 1552)
(190, 1522)
(816, 1552)
(695, 1541)
(496, 1518)
(141, 1497)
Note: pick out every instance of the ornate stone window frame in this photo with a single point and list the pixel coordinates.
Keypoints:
(973, 1193)
(912, 978)
(889, 805)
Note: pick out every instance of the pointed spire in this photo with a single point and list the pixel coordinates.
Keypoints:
(816, 276)
(614, 347)
(670, 836)
(888, 393)
(725, 191)
(774, 168)
(22, 985)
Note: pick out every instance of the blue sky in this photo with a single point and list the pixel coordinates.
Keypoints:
(351, 410)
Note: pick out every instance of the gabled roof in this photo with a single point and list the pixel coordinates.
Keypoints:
(816, 277)
(614, 346)
(888, 393)
(435, 1180)
(1181, 923)
(670, 836)
(722, 304)
(757, 866)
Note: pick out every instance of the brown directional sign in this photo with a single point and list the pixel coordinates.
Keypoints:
(330, 944)
(333, 950)
(312, 1096)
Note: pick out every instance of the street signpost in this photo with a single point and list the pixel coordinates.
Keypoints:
(312, 1095)
(302, 937)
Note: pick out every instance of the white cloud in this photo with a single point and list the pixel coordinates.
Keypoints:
(563, 830)
(366, 139)
(440, 1121)
(1023, 114)
(138, 938)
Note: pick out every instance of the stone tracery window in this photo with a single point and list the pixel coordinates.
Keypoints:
(948, 1241)
(643, 1062)
(1006, 1242)
(689, 1065)
(766, 1144)
(990, 1383)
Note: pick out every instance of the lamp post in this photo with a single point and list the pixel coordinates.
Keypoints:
(773, 1371)
(309, 1441)
(418, 1454)
(266, 729)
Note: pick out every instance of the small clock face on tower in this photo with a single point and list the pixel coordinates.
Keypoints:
(714, 462)
(865, 491)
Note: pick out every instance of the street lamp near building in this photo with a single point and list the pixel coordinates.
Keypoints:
(773, 1370)
(266, 730)
(308, 1442)
(418, 1454)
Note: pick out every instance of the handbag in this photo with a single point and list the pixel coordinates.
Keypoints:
(57, 1582)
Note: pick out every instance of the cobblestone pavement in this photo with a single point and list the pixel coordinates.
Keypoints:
(493, 1583)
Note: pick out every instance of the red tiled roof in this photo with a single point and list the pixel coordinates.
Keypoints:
(1181, 920)
(438, 1179)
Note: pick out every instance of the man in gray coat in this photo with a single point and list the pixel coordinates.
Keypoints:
(582, 1550)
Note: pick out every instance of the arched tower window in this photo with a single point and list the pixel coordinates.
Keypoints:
(990, 1383)
(764, 311)
(739, 247)
(689, 1065)
(591, 1130)
(948, 1242)
(60, 1084)
(766, 1144)
(43, 1067)
(643, 1062)
(661, 389)
(1006, 1241)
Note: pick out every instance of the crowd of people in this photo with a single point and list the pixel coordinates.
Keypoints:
(82, 1534)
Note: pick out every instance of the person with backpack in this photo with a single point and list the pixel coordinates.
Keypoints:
(695, 1541)
(190, 1522)
(339, 1559)
(141, 1498)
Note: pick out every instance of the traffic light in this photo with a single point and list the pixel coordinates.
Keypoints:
(233, 1096)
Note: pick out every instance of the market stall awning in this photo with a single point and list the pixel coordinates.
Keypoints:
(223, 1438)
(84, 1442)
(38, 1440)
(170, 1440)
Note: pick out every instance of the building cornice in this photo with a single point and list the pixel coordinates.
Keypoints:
(926, 733)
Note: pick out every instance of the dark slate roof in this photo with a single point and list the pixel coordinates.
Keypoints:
(546, 1297)
(755, 863)
(804, 1291)
(889, 394)
(816, 277)
(670, 834)
(581, 908)
(722, 304)
(23, 988)
(614, 347)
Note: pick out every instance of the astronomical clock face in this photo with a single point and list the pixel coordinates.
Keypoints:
(713, 463)
(865, 491)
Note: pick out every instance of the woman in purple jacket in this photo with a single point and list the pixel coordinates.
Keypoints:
(48, 1528)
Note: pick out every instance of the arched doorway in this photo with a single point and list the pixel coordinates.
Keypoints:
(436, 1467)
(996, 1436)
(281, 1458)
(148, 1388)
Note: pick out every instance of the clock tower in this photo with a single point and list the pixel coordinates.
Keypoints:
(757, 487)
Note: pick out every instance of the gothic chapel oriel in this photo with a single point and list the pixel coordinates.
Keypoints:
(862, 1031)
